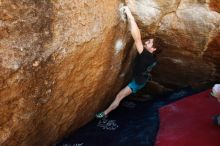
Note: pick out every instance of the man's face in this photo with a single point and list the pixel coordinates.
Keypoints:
(149, 45)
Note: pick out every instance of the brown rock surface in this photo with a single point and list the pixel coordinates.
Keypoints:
(188, 31)
(60, 63)
(215, 5)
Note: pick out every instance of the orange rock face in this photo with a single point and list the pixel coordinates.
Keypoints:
(212, 54)
(215, 5)
(60, 63)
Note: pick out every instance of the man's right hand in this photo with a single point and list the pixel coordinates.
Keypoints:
(127, 11)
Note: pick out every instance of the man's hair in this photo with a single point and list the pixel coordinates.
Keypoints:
(157, 44)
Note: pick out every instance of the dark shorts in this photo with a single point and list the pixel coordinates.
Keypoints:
(134, 86)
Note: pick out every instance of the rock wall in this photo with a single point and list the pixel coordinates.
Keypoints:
(188, 32)
(60, 62)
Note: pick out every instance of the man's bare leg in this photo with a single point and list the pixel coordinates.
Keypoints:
(121, 95)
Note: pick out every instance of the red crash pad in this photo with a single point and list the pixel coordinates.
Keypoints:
(188, 122)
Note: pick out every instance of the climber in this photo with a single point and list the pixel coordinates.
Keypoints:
(145, 61)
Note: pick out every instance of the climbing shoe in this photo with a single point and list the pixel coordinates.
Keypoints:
(100, 115)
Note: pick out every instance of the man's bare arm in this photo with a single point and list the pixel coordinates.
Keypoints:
(135, 32)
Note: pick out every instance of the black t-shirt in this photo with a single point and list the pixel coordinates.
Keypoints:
(144, 63)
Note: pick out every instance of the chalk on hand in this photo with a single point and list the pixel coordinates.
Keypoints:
(122, 12)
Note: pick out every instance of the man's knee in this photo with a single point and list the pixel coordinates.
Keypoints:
(123, 93)
(120, 96)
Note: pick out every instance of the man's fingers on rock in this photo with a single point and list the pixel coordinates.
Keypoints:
(122, 9)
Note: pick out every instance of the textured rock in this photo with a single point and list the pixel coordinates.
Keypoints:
(60, 62)
(188, 32)
(214, 5)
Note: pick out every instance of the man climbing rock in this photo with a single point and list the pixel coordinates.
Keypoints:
(145, 61)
